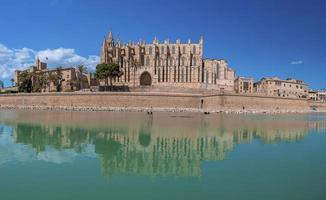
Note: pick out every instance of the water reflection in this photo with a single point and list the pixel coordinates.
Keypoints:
(163, 145)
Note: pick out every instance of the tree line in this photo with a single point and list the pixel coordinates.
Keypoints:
(39, 80)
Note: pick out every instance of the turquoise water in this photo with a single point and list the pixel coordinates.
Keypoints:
(79, 155)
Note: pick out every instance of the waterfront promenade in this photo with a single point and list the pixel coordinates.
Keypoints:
(159, 101)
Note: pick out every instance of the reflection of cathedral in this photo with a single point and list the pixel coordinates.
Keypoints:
(166, 64)
(143, 151)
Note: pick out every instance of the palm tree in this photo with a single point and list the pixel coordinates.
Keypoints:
(81, 70)
(58, 72)
(1, 85)
(25, 82)
(12, 82)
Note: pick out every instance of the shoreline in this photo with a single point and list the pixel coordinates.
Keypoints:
(147, 109)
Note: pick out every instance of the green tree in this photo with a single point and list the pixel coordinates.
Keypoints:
(56, 78)
(80, 79)
(1, 84)
(107, 72)
(12, 82)
(40, 81)
(24, 82)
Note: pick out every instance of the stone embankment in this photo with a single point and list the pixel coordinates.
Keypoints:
(164, 102)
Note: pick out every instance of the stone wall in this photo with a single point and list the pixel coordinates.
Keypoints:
(106, 100)
(159, 101)
(233, 102)
(318, 106)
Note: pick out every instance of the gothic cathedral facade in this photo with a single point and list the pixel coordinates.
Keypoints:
(166, 65)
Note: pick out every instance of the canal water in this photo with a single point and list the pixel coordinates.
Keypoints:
(99, 155)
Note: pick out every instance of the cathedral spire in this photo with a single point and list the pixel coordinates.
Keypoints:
(201, 40)
(104, 51)
(118, 41)
(104, 43)
(110, 36)
(110, 40)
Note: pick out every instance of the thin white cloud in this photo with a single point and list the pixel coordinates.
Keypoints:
(297, 62)
(17, 59)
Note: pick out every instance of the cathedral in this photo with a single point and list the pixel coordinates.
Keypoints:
(166, 64)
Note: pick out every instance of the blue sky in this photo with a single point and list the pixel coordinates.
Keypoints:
(257, 37)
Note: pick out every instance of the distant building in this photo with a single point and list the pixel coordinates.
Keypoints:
(321, 95)
(166, 64)
(244, 85)
(281, 88)
(313, 95)
(69, 76)
(318, 95)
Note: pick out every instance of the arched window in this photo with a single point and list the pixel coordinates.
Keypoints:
(173, 49)
(159, 75)
(150, 50)
(207, 77)
(184, 50)
(175, 74)
(217, 71)
(162, 49)
(159, 62)
(194, 61)
(182, 75)
(225, 73)
(190, 73)
(194, 49)
(147, 61)
(183, 61)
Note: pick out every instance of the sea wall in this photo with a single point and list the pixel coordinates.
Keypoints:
(101, 100)
(234, 102)
(157, 101)
(318, 106)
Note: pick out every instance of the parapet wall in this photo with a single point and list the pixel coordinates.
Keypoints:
(159, 101)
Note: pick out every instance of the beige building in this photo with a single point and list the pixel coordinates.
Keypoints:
(244, 85)
(313, 95)
(319, 95)
(282, 88)
(69, 76)
(166, 64)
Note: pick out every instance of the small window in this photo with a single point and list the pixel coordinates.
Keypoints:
(184, 50)
(150, 50)
(147, 61)
(173, 49)
(162, 49)
(194, 50)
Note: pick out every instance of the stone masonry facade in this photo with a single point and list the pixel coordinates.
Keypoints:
(166, 64)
